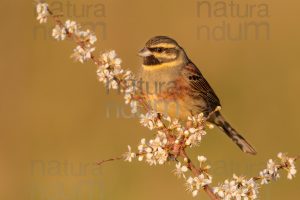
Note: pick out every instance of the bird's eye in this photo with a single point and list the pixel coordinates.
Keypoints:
(159, 50)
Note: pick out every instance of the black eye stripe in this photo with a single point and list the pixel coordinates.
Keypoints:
(158, 49)
(162, 49)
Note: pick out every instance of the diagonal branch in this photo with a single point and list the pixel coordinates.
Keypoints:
(169, 146)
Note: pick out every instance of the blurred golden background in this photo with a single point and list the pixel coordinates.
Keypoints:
(57, 119)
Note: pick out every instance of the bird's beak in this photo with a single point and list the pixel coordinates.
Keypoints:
(144, 52)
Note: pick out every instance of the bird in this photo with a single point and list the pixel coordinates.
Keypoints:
(174, 85)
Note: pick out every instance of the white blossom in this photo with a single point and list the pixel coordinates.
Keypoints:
(42, 12)
(195, 131)
(142, 145)
(134, 106)
(129, 92)
(71, 26)
(226, 190)
(180, 170)
(112, 84)
(59, 32)
(202, 159)
(201, 181)
(272, 170)
(271, 167)
(289, 165)
(190, 186)
(197, 119)
(150, 159)
(252, 187)
(153, 151)
(110, 59)
(155, 144)
(82, 54)
(195, 137)
(109, 71)
(141, 148)
(195, 184)
(237, 188)
(103, 74)
(270, 173)
(86, 36)
(128, 156)
(291, 173)
(265, 177)
(148, 119)
(161, 155)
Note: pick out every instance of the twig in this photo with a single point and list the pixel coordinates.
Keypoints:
(109, 160)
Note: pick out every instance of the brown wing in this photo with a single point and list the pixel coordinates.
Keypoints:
(200, 88)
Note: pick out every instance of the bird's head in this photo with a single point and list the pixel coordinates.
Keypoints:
(162, 51)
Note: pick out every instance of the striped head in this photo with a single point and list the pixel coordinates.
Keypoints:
(162, 51)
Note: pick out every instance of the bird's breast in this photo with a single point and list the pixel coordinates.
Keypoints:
(168, 93)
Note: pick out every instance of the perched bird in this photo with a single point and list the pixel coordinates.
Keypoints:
(173, 85)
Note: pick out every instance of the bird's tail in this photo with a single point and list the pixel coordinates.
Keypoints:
(219, 120)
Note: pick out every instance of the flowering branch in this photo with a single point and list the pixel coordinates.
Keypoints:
(172, 137)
